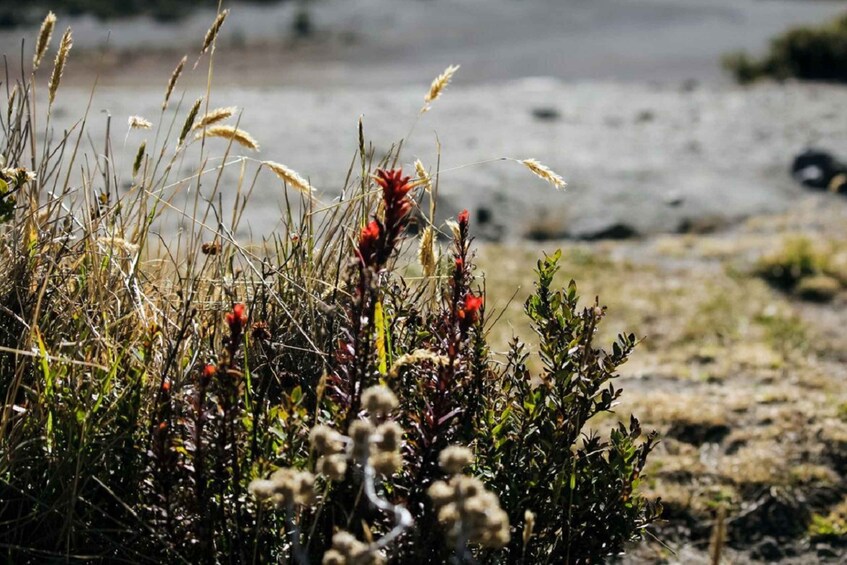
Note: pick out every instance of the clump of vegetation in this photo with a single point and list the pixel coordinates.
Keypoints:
(803, 268)
(805, 52)
(297, 400)
(831, 527)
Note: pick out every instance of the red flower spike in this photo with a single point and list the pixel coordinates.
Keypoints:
(237, 319)
(464, 217)
(469, 312)
(166, 387)
(394, 185)
(460, 264)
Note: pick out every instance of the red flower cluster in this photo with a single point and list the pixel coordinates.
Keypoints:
(378, 239)
(469, 311)
(464, 217)
(237, 319)
(395, 191)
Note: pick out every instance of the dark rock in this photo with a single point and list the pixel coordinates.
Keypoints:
(546, 114)
(776, 513)
(698, 433)
(701, 225)
(645, 116)
(611, 231)
(815, 168)
(825, 551)
(767, 550)
(483, 215)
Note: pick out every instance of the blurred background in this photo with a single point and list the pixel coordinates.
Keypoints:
(627, 99)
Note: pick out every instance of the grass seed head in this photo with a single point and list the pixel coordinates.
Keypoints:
(426, 252)
(59, 66)
(139, 158)
(189, 120)
(544, 173)
(438, 86)
(230, 132)
(290, 177)
(44, 36)
(423, 175)
(455, 458)
(137, 122)
(214, 30)
(172, 82)
(215, 116)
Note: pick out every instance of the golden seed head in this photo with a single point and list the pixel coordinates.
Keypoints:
(455, 458)
(333, 467)
(387, 462)
(289, 486)
(230, 132)
(189, 120)
(438, 85)
(214, 29)
(325, 440)
(172, 82)
(449, 515)
(454, 229)
(344, 541)
(44, 36)
(417, 356)
(361, 432)
(137, 122)
(423, 175)
(391, 434)
(379, 400)
(441, 493)
(333, 557)
(262, 489)
(545, 173)
(467, 487)
(426, 252)
(289, 176)
(59, 65)
(215, 116)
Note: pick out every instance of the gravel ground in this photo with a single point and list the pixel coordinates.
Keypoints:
(624, 98)
(639, 158)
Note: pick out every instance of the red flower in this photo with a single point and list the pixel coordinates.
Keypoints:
(237, 319)
(469, 312)
(395, 194)
(166, 387)
(394, 185)
(368, 241)
(460, 264)
(209, 371)
(464, 217)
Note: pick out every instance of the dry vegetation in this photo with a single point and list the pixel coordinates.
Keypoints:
(186, 397)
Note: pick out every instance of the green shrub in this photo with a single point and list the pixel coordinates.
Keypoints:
(809, 53)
